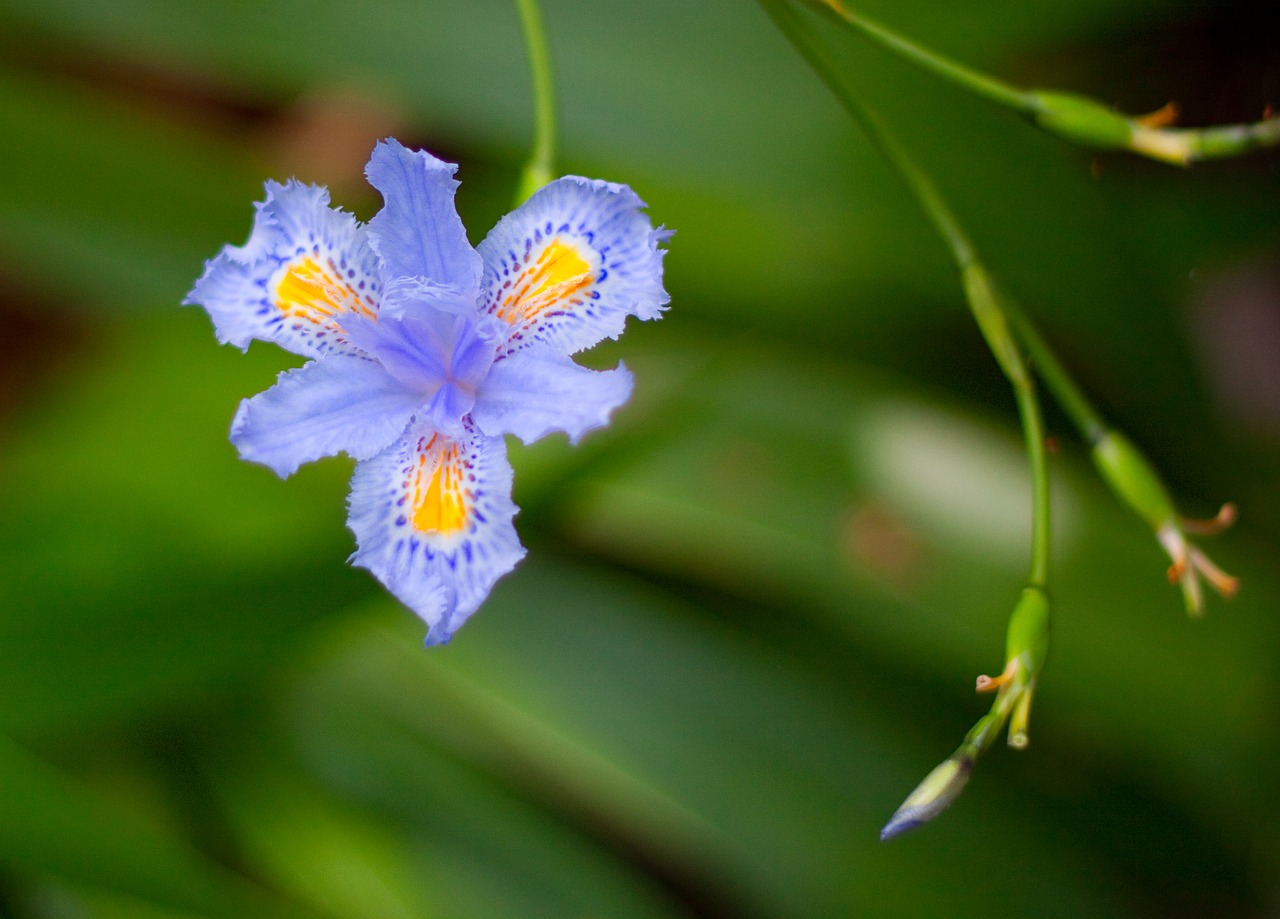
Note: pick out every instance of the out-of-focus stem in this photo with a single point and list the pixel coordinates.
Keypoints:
(989, 306)
(1072, 117)
(540, 168)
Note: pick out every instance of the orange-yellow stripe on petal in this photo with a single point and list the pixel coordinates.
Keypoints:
(441, 499)
(558, 272)
(315, 291)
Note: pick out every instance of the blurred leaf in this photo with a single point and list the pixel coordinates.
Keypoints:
(96, 200)
(49, 823)
(141, 560)
(594, 696)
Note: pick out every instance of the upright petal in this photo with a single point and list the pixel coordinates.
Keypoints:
(418, 232)
(568, 266)
(432, 520)
(538, 390)
(305, 268)
(339, 403)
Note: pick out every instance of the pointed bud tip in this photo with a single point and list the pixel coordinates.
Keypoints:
(931, 797)
(897, 825)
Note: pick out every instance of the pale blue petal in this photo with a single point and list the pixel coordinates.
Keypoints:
(405, 296)
(418, 232)
(569, 266)
(306, 268)
(340, 403)
(438, 549)
(536, 391)
(427, 337)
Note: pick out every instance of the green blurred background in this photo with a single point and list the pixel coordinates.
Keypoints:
(753, 608)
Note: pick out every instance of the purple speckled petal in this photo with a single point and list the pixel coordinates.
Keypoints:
(569, 266)
(306, 269)
(432, 520)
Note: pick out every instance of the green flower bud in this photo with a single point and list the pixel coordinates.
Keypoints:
(1027, 644)
(932, 796)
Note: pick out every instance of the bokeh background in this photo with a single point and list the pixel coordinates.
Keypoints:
(754, 607)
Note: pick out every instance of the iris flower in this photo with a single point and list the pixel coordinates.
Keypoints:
(427, 352)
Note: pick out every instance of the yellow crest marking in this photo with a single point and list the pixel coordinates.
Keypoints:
(315, 291)
(559, 272)
(441, 503)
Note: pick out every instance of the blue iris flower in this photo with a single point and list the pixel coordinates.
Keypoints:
(427, 352)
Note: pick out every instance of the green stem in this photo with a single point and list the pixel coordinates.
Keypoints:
(926, 59)
(989, 306)
(1034, 435)
(541, 166)
(1233, 139)
(920, 185)
(1075, 118)
(1056, 378)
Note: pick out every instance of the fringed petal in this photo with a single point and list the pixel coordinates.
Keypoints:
(432, 520)
(306, 268)
(568, 266)
(418, 232)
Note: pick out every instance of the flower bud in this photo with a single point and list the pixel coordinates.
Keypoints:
(932, 796)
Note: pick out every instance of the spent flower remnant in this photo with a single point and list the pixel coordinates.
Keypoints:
(426, 352)
(1132, 477)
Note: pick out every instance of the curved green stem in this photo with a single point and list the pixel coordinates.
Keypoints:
(1073, 117)
(541, 166)
(1027, 637)
(926, 59)
(1034, 436)
(1088, 421)
(1012, 337)
(990, 308)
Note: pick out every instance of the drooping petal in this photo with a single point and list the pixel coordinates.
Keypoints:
(305, 268)
(418, 232)
(432, 520)
(341, 403)
(538, 390)
(568, 266)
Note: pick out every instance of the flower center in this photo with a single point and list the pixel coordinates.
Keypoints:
(441, 353)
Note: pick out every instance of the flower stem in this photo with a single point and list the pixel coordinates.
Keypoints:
(541, 165)
(926, 59)
(990, 307)
(1073, 117)
(1056, 378)
(1012, 336)
(1034, 436)
(1027, 637)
